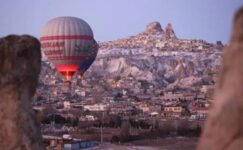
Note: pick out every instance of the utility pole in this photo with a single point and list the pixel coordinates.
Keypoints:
(101, 129)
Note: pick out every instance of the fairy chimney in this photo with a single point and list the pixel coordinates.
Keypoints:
(169, 32)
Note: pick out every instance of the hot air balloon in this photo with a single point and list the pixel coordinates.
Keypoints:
(67, 42)
(90, 57)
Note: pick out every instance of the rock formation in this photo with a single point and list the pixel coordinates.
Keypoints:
(20, 61)
(154, 27)
(169, 32)
(224, 127)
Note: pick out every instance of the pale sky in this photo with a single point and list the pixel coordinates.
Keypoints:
(209, 20)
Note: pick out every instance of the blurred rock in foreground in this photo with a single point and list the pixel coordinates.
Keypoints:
(20, 60)
(224, 127)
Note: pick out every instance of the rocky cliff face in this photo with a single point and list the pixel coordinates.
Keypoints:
(159, 58)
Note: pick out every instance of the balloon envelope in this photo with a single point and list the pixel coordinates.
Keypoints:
(65, 40)
(90, 57)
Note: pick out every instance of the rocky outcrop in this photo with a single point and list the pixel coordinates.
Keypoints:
(154, 27)
(20, 60)
(169, 32)
(223, 129)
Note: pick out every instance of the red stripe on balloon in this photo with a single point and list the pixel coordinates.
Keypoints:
(67, 58)
(64, 37)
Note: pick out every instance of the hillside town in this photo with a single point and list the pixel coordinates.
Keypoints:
(151, 82)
